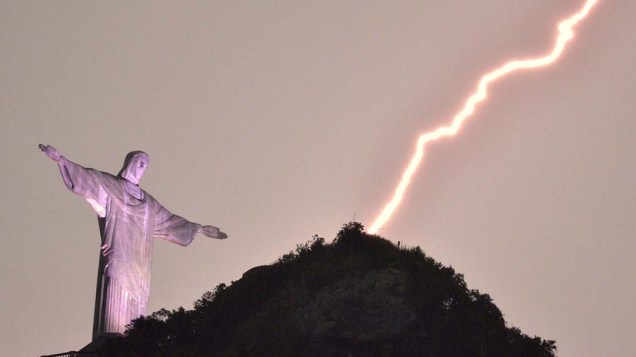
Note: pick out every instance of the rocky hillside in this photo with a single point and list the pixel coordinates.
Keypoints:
(358, 296)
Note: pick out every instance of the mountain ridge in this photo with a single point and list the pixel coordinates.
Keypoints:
(360, 295)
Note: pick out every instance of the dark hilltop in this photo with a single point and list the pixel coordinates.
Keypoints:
(360, 295)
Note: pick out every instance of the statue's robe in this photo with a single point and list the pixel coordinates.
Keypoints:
(128, 225)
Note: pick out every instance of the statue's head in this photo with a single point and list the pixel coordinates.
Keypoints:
(134, 166)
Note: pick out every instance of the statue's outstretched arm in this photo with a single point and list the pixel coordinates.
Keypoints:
(51, 152)
(55, 155)
(212, 232)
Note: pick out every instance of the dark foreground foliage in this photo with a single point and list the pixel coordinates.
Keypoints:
(358, 296)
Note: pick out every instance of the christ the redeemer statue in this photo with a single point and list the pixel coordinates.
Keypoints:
(129, 219)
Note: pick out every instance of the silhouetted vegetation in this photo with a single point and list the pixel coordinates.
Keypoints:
(358, 296)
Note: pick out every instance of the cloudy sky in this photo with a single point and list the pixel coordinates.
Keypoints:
(277, 120)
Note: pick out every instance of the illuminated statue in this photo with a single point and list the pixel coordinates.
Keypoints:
(129, 219)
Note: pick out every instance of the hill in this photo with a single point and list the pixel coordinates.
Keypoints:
(358, 296)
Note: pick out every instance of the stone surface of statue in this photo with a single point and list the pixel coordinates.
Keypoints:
(129, 220)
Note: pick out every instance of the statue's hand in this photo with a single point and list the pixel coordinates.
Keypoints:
(51, 152)
(106, 249)
(212, 232)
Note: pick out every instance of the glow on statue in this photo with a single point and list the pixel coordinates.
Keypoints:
(129, 220)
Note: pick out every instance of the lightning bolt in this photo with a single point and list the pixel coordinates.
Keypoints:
(565, 35)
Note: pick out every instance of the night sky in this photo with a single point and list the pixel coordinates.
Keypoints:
(277, 120)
